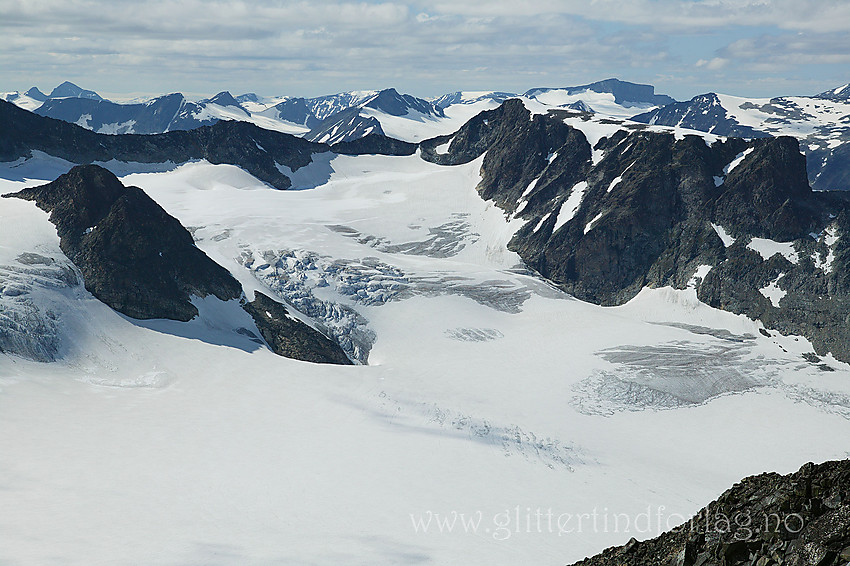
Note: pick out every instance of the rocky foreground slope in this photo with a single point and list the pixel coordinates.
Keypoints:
(802, 519)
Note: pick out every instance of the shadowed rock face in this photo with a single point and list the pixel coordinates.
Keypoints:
(643, 214)
(133, 255)
(143, 263)
(802, 519)
(290, 337)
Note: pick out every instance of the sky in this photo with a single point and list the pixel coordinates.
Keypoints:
(127, 48)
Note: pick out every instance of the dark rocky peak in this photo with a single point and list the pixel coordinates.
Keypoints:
(476, 136)
(36, 94)
(768, 195)
(70, 90)
(133, 255)
(297, 111)
(346, 125)
(78, 199)
(530, 159)
(580, 106)
(800, 519)
(840, 93)
(656, 207)
(224, 98)
(143, 263)
(395, 104)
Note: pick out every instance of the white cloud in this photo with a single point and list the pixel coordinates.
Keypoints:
(278, 47)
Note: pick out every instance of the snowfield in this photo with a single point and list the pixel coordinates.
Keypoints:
(482, 390)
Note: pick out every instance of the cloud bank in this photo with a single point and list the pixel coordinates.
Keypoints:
(748, 47)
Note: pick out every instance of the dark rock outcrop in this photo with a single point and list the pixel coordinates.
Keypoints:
(375, 144)
(346, 125)
(840, 93)
(289, 337)
(133, 255)
(802, 519)
(69, 89)
(143, 263)
(644, 214)
(824, 137)
(395, 104)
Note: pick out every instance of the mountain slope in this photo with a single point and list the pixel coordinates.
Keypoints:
(223, 452)
(735, 220)
(143, 263)
(133, 255)
(820, 123)
(70, 90)
(386, 111)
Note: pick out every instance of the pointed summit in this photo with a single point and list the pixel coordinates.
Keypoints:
(70, 90)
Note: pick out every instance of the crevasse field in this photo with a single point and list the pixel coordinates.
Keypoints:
(498, 421)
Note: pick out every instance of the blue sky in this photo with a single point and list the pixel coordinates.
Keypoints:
(683, 47)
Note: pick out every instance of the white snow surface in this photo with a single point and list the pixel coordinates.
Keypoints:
(724, 236)
(737, 161)
(488, 392)
(773, 292)
(570, 206)
(768, 248)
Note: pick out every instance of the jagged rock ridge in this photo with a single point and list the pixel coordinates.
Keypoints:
(802, 519)
(133, 255)
(819, 122)
(650, 210)
(260, 152)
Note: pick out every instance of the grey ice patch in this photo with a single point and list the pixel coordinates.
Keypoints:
(27, 327)
(498, 294)
(300, 278)
(672, 375)
(720, 333)
(474, 334)
(829, 401)
(29, 258)
(446, 240)
(510, 439)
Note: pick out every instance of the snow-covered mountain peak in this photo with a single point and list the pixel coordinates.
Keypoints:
(837, 93)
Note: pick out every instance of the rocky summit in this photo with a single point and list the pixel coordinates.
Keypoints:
(133, 255)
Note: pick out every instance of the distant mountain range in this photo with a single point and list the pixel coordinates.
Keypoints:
(821, 122)
(328, 119)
